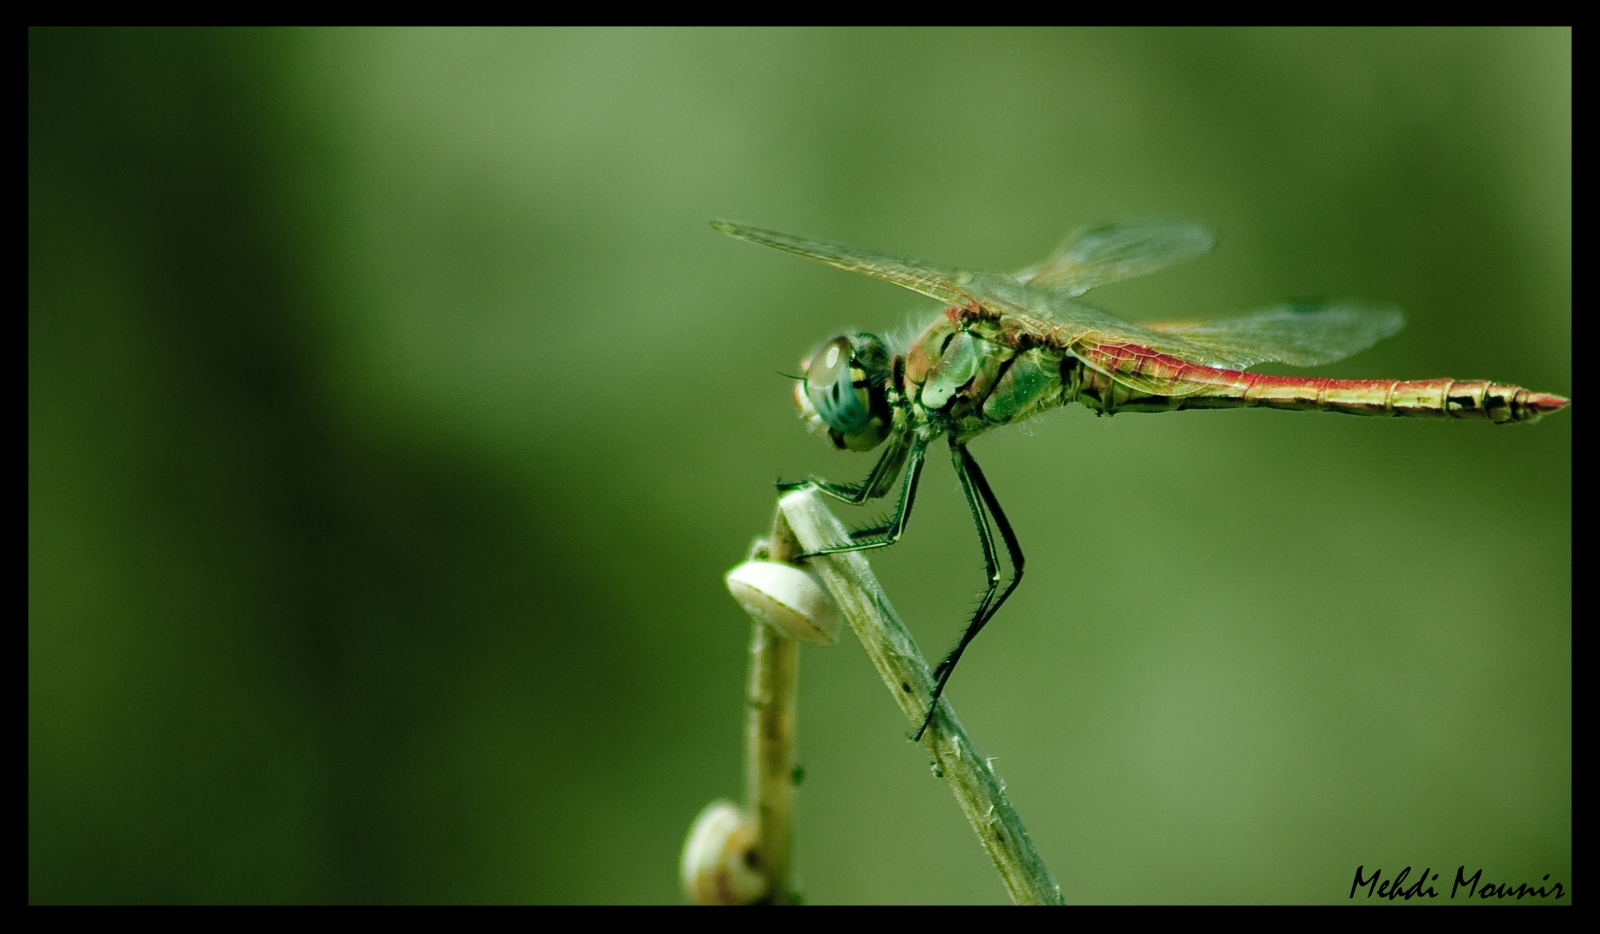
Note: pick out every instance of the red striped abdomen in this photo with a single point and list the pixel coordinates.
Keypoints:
(1168, 384)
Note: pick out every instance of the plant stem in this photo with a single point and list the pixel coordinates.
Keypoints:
(905, 672)
(770, 732)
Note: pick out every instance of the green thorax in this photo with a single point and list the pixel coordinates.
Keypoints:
(973, 375)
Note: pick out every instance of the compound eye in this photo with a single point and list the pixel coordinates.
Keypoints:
(830, 386)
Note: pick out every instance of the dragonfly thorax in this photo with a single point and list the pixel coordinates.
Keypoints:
(844, 393)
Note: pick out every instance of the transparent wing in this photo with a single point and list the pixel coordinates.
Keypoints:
(1299, 335)
(1113, 252)
(1041, 298)
(946, 283)
(1046, 312)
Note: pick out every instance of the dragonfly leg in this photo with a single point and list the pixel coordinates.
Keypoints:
(875, 485)
(984, 504)
(887, 534)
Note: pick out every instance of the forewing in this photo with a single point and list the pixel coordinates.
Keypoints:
(1113, 252)
(1299, 335)
(946, 283)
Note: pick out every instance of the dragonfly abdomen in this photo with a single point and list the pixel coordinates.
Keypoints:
(1187, 386)
(1432, 398)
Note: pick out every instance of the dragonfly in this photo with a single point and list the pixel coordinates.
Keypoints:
(1008, 347)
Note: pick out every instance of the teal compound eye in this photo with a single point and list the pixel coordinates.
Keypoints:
(830, 386)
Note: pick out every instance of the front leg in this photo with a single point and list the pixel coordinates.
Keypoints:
(874, 486)
(887, 534)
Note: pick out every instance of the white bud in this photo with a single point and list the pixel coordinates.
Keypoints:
(786, 598)
(720, 864)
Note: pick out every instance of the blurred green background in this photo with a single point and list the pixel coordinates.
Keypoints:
(393, 414)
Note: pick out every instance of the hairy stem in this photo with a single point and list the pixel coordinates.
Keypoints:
(905, 672)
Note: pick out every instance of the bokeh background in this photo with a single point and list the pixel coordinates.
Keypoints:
(393, 414)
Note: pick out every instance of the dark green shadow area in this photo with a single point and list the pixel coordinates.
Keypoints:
(247, 611)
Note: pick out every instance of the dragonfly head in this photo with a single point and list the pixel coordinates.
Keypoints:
(844, 392)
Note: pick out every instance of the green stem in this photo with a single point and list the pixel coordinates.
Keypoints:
(905, 672)
(770, 733)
